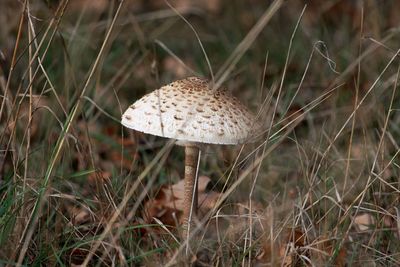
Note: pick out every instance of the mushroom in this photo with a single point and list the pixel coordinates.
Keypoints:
(189, 111)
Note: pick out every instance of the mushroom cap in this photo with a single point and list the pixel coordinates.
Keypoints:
(190, 111)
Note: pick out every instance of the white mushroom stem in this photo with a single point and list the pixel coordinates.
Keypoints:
(190, 197)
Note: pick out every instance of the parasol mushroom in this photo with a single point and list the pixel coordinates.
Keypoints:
(189, 111)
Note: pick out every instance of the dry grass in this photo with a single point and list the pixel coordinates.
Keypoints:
(319, 187)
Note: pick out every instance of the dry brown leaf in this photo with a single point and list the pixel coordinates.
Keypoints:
(203, 183)
(155, 209)
(99, 177)
(324, 249)
(363, 222)
(168, 204)
(292, 247)
(176, 190)
(78, 215)
(286, 256)
(208, 200)
(283, 251)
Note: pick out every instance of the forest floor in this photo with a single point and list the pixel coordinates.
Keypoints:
(320, 187)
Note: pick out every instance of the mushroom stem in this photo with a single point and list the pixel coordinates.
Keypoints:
(190, 197)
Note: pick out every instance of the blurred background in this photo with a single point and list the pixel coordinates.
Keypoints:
(326, 187)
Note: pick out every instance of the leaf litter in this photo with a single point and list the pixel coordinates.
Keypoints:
(168, 204)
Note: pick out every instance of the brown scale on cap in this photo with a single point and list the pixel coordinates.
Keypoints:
(193, 112)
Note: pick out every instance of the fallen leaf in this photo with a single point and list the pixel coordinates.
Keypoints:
(208, 200)
(324, 248)
(99, 177)
(203, 183)
(168, 204)
(290, 251)
(78, 215)
(156, 208)
(363, 222)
